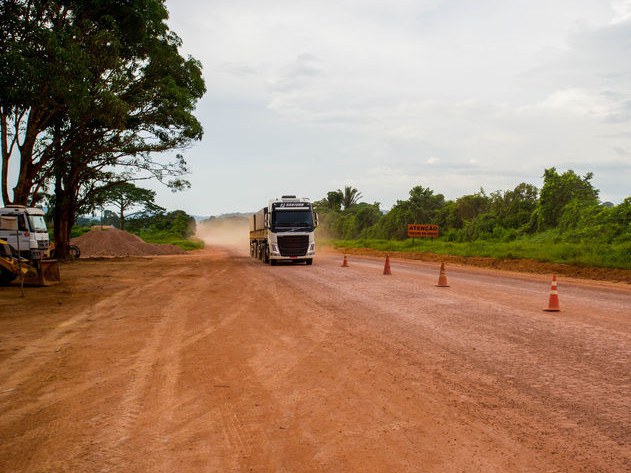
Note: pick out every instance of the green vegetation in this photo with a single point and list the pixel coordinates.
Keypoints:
(172, 228)
(175, 228)
(125, 195)
(169, 238)
(583, 254)
(564, 223)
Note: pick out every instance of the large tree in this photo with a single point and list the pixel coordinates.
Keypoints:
(559, 190)
(125, 196)
(350, 196)
(90, 91)
(423, 207)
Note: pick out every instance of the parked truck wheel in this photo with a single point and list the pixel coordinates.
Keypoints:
(74, 252)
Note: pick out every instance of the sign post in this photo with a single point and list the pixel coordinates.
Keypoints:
(422, 231)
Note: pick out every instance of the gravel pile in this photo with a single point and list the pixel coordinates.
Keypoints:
(113, 242)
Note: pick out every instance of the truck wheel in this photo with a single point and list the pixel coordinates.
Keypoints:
(309, 261)
(74, 252)
(273, 262)
(266, 255)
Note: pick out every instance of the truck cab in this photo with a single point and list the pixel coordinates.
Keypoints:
(24, 228)
(284, 231)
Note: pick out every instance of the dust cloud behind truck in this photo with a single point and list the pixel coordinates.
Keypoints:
(284, 230)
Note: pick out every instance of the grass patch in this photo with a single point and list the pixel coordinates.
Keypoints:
(536, 248)
(169, 238)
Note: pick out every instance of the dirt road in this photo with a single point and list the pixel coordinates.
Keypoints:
(214, 362)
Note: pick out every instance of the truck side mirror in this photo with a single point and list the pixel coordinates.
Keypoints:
(315, 218)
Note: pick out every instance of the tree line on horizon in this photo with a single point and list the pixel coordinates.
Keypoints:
(567, 205)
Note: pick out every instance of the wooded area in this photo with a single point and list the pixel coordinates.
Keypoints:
(565, 210)
(92, 94)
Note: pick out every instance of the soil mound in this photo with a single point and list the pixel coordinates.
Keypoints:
(112, 242)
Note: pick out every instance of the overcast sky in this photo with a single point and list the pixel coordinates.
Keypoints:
(309, 96)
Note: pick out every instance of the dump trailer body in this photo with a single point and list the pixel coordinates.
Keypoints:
(284, 230)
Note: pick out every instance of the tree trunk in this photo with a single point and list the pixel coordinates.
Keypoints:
(5, 158)
(121, 215)
(60, 225)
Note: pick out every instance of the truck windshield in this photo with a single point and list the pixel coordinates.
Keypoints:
(289, 219)
(37, 223)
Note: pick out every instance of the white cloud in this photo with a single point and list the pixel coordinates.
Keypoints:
(376, 92)
(580, 102)
(622, 11)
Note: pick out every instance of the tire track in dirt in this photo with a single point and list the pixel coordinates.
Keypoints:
(470, 339)
(142, 423)
(24, 364)
(157, 416)
(220, 363)
(238, 433)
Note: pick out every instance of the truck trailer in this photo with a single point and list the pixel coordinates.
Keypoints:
(284, 230)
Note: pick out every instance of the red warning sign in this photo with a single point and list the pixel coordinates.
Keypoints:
(416, 230)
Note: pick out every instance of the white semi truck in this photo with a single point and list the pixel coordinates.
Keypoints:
(284, 230)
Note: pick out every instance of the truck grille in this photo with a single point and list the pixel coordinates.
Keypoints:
(294, 245)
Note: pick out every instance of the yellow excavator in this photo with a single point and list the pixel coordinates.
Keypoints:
(25, 247)
(34, 273)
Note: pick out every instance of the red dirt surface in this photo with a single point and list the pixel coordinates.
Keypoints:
(112, 242)
(213, 362)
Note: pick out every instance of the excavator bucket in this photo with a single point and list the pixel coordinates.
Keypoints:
(49, 272)
(46, 273)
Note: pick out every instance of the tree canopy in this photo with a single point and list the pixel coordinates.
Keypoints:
(125, 196)
(567, 204)
(90, 91)
(350, 197)
(559, 190)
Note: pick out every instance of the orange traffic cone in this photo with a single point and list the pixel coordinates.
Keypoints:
(386, 266)
(345, 262)
(553, 303)
(442, 277)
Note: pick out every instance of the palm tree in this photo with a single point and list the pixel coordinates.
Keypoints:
(350, 196)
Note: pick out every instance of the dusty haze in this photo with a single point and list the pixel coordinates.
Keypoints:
(225, 231)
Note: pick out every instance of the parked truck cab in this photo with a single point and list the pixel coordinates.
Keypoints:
(31, 236)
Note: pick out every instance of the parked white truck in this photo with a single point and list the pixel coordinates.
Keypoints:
(284, 230)
(31, 237)
(25, 247)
